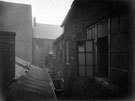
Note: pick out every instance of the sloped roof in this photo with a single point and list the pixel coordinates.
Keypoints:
(47, 31)
(75, 2)
(21, 62)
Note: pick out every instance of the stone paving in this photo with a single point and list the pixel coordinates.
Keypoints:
(36, 85)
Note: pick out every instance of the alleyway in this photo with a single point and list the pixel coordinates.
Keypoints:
(34, 86)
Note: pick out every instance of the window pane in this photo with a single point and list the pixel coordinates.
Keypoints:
(82, 70)
(67, 52)
(89, 33)
(93, 33)
(89, 46)
(81, 46)
(89, 70)
(115, 25)
(120, 42)
(105, 28)
(82, 58)
(89, 59)
(100, 30)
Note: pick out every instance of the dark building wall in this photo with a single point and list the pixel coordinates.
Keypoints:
(7, 59)
(49, 61)
(81, 16)
(18, 18)
(41, 47)
(59, 57)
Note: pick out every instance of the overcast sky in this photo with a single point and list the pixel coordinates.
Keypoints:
(47, 11)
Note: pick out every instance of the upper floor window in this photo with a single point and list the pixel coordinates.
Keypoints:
(91, 33)
(102, 29)
(63, 43)
(67, 52)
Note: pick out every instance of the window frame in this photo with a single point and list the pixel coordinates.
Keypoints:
(85, 52)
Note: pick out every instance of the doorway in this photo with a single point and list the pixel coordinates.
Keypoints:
(102, 57)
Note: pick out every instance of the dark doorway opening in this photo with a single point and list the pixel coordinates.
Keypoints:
(102, 57)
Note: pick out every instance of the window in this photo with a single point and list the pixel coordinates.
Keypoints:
(119, 46)
(67, 52)
(63, 51)
(60, 45)
(85, 58)
(54, 51)
(102, 29)
(91, 33)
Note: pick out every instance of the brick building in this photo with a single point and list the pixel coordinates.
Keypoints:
(59, 57)
(96, 45)
(7, 59)
(18, 18)
(16, 39)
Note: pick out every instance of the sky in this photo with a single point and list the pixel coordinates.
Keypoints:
(47, 11)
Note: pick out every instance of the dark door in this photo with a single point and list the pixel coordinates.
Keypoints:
(102, 60)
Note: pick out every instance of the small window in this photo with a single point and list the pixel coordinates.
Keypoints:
(103, 29)
(63, 51)
(89, 33)
(67, 52)
(60, 45)
(54, 50)
(100, 30)
(93, 33)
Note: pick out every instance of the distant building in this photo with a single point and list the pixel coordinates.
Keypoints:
(41, 47)
(46, 31)
(43, 37)
(96, 45)
(17, 18)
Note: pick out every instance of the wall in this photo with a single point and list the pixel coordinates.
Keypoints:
(81, 16)
(41, 47)
(7, 59)
(18, 18)
(59, 57)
